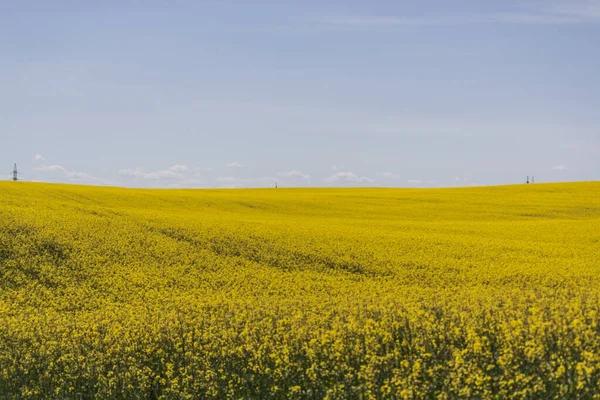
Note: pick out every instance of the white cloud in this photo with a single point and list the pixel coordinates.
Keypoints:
(294, 174)
(164, 174)
(559, 168)
(234, 164)
(388, 175)
(347, 176)
(415, 181)
(173, 172)
(72, 175)
(335, 168)
(179, 168)
(51, 168)
(459, 181)
(39, 157)
(181, 176)
(137, 172)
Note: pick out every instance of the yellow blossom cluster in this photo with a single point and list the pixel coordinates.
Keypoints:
(110, 293)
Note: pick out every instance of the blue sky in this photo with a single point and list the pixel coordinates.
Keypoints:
(182, 93)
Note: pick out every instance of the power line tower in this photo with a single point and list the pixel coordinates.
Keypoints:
(15, 173)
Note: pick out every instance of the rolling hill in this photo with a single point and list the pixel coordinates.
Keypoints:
(486, 292)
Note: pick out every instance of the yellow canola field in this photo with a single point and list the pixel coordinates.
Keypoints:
(114, 293)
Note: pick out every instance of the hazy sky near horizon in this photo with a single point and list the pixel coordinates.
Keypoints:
(231, 93)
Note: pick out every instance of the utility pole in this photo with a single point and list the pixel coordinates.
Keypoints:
(533, 179)
(527, 180)
(15, 173)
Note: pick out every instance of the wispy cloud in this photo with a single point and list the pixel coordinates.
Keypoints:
(583, 9)
(52, 168)
(200, 171)
(347, 177)
(559, 167)
(74, 176)
(373, 22)
(234, 164)
(173, 172)
(415, 181)
(388, 175)
(175, 176)
(536, 13)
(294, 174)
(179, 168)
(39, 157)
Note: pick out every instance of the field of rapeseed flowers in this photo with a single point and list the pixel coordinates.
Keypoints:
(299, 293)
